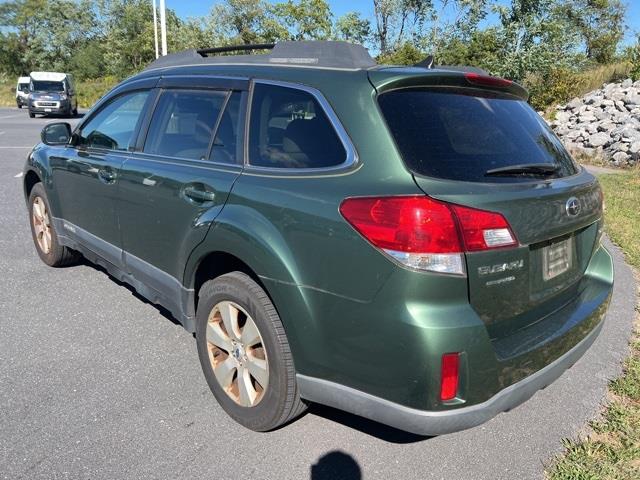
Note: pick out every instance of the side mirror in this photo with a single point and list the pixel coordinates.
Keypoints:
(58, 133)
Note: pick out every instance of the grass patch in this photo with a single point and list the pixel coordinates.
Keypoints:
(89, 91)
(612, 450)
(622, 212)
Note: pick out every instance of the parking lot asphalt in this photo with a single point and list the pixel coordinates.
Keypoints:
(96, 383)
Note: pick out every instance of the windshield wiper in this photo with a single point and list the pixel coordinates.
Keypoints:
(538, 169)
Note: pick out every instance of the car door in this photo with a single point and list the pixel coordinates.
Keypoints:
(178, 179)
(86, 173)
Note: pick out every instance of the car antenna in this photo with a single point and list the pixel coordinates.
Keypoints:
(427, 62)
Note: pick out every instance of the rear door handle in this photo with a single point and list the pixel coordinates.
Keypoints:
(198, 194)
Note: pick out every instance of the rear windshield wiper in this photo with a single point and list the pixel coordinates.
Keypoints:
(539, 169)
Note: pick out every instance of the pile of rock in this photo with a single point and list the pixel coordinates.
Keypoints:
(604, 123)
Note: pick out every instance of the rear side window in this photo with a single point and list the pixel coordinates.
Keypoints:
(183, 123)
(113, 126)
(289, 129)
(460, 136)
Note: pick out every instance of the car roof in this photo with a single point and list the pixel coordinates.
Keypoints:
(53, 76)
(24, 79)
(320, 64)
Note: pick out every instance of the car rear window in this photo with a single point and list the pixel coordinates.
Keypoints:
(461, 135)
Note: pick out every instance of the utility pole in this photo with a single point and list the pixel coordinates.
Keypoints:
(155, 28)
(163, 27)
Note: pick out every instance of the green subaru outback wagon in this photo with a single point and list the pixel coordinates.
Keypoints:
(409, 244)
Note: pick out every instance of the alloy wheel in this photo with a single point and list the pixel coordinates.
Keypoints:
(41, 224)
(237, 354)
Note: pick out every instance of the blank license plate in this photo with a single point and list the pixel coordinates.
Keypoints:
(556, 258)
(47, 109)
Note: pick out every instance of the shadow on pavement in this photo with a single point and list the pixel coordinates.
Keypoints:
(336, 465)
(364, 425)
(163, 311)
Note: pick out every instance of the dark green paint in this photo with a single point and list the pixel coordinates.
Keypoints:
(352, 316)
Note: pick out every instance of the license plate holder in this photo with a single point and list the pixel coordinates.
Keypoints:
(557, 259)
(47, 109)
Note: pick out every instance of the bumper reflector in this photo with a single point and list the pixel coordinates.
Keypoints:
(449, 376)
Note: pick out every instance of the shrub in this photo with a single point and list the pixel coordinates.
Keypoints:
(90, 91)
(556, 86)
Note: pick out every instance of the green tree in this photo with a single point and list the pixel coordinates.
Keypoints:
(243, 21)
(304, 19)
(635, 60)
(534, 37)
(45, 34)
(600, 23)
(398, 20)
(353, 28)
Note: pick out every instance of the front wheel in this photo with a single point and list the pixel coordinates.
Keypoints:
(43, 231)
(244, 353)
(32, 115)
(19, 105)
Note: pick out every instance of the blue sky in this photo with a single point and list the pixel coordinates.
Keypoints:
(186, 8)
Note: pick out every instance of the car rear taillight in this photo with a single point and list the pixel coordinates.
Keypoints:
(486, 80)
(482, 230)
(449, 376)
(426, 234)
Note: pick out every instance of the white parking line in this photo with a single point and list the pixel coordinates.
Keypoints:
(9, 116)
(1, 133)
(14, 147)
(18, 175)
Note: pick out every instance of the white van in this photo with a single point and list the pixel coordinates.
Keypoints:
(22, 91)
(52, 93)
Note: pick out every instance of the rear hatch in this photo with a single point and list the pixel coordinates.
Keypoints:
(474, 141)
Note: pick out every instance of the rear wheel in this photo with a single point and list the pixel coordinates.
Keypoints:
(43, 231)
(244, 353)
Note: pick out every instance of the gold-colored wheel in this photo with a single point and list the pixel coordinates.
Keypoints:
(237, 354)
(41, 224)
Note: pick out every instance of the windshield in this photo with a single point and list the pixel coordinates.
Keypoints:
(23, 87)
(47, 86)
(459, 135)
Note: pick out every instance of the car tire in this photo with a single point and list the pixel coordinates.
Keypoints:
(279, 401)
(75, 112)
(20, 105)
(43, 231)
(32, 115)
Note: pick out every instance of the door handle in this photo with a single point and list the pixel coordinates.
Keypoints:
(107, 176)
(198, 194)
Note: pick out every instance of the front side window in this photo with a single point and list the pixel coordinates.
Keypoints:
(289, 129)
(183, 123)
(23, 87)
(113, 126)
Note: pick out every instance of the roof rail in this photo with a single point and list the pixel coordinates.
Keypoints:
(309, 53)
(236, 48)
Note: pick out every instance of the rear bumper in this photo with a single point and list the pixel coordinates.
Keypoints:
(437, 423)
(489, 384)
